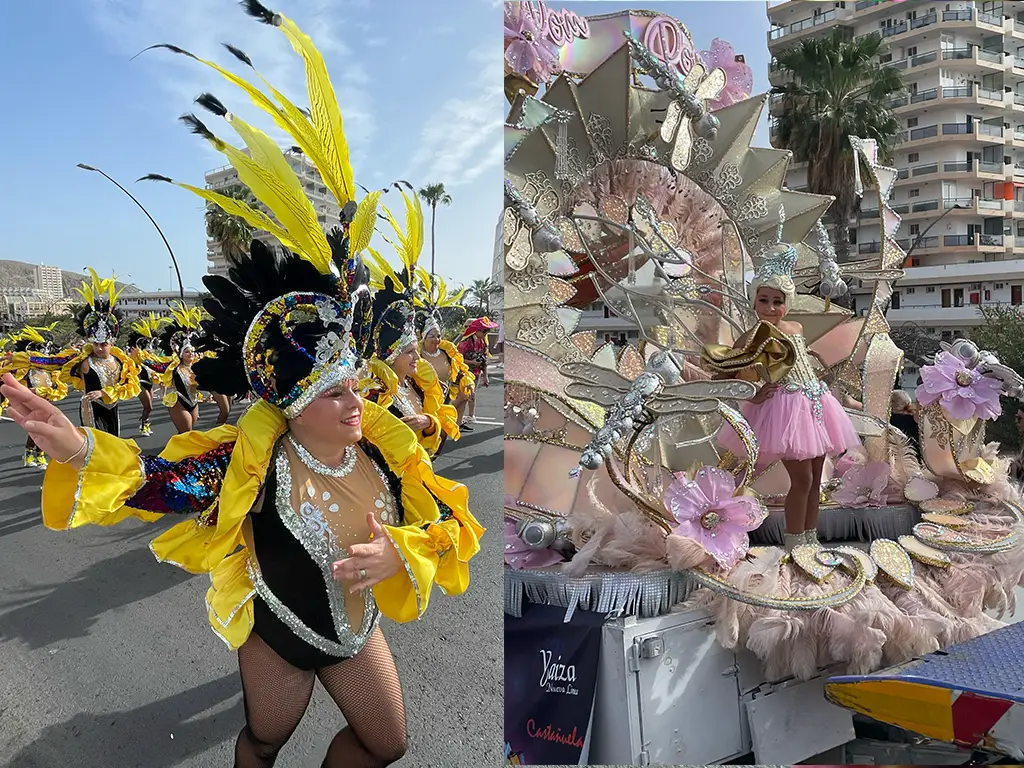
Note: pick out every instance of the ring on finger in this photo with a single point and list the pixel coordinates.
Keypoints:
(362, 574)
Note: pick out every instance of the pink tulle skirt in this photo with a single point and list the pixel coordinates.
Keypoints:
(787, 427)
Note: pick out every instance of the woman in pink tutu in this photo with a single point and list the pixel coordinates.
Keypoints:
(796, 419)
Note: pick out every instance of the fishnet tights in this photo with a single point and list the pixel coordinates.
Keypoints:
(365, 688)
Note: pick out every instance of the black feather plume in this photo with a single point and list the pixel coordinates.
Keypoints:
(239, 54)
(258, 11)
(167, 47)
(212, 104)
(155, 177)
(197, 126)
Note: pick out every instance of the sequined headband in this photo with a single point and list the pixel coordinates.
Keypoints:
(432, 324)
(398, 317)
(333, 361)
(101, 327)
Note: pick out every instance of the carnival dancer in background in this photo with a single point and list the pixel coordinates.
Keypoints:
(473, 348)
(794, 416)
(32, 363)
(457, 383)
(438, 315)
(178, 342)
(101, 370)
(344, 495)
(141, 341)
(400, 380)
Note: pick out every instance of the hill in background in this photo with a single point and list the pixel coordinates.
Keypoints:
(18, 274)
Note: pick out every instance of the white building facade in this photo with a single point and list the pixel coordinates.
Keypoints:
(327, 209)
(960, 190)
(49, 281)
(136, 305)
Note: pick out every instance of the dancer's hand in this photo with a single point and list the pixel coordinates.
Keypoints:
(91, 397)
(764, 393)
(417, 423)
(49, 429)
(369, 564)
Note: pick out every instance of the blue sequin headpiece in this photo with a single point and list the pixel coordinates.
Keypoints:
(779, 263)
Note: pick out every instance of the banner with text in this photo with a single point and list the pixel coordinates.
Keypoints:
(551, 672)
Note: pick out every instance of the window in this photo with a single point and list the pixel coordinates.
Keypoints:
(853, 237)
(930, 289)
(914, 193)
(909, 290)
(915, 229)
(915, 262)
(912, 51)
(999, 286)
(930, 330)
(975, 286)
(913, 157)
(885, 58)
(911, 122)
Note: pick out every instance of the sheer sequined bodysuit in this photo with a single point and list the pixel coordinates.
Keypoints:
(306, 523)
(442, 366)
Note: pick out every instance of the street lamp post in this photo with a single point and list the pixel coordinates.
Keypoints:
(928, 229)
(174, 261)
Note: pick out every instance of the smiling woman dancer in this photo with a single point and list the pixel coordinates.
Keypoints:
(319, 512)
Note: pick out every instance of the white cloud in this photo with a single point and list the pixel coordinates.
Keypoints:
(376, 42)
(200, 26)
(462, 139)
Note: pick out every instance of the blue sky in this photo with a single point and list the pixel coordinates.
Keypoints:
(744, 23)
(419, 87)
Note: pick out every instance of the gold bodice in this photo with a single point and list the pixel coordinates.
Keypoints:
(802, 378)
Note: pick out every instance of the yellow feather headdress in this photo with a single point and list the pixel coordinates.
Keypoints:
(149, 326)
(274, 302)
(99, 321)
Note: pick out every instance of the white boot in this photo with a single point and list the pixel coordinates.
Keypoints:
(793, 540)
(811, 537)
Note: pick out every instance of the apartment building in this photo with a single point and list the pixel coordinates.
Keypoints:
(140, 304)
(960, 190)
(49, 281)
(327, 209)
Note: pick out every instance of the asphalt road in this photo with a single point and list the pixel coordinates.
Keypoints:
(108, 660)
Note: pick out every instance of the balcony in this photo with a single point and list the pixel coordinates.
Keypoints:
(935, 315)
(969, 272)
(811, 22)
(984, 171)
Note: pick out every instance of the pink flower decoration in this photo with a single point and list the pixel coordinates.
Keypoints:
(527, 53)
(707, 512)
(962, 392)
(522, 557)
(739, 76)
(864, 486)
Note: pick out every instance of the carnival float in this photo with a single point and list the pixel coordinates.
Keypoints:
(651, 617)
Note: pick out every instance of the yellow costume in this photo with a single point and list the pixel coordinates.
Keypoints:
(270, 519)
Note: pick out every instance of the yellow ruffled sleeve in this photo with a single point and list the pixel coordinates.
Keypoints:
(440, 534)
(433, 405)
(461, 374)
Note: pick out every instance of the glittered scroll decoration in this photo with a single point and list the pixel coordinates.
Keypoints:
(883, 360)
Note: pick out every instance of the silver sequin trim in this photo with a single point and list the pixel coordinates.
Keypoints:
(348, 460)
(303, 632)
(90, 443)
(408, 570)
(325, 556)
(234, 610)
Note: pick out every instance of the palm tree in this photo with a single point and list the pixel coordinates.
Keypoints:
(434, 195)
(232, 234)
(837, 90)
(480, 292)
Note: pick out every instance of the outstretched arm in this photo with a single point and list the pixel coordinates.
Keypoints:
(100, 479)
